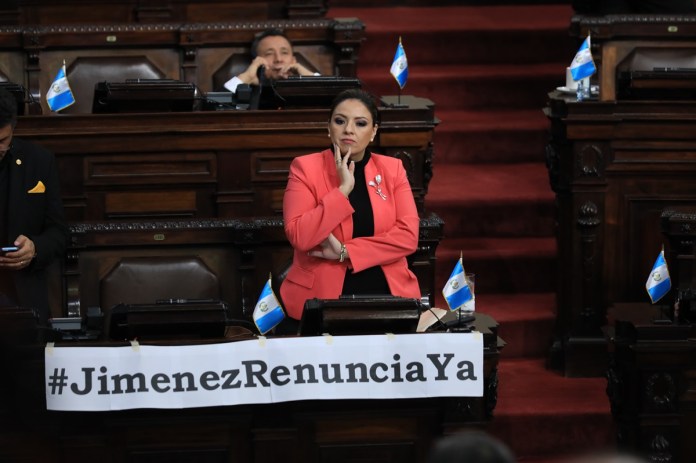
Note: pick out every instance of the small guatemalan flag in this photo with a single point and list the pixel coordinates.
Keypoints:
(59, 95)
(399, 67)
(458, 291)
(583, 64)
(268, 312)
(658, 283)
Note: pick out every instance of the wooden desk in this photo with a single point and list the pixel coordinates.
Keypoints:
(184, 183)
(304, 431)
(614, 167)
(665, 41)
(206, 54)
(238, 254)
(223, 164)
(680, 253)
(652, 384)
(651, 377)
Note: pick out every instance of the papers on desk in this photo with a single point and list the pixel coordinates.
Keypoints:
(429, 317)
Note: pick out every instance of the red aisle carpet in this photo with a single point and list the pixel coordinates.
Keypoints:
(488, 69)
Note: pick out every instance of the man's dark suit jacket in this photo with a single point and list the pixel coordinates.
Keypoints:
(35, 210)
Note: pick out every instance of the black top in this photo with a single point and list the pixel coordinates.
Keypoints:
(371, 280)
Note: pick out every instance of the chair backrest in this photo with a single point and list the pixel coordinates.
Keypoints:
(145, 280)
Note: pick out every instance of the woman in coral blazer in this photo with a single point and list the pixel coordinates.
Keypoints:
(349, 215)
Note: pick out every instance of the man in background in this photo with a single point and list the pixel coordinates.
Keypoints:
(31, 216)
(272, 51)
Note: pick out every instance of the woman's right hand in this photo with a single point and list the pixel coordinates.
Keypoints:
(329, 249)
(345, 169)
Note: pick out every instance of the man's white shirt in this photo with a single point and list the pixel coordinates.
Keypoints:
(232, 84)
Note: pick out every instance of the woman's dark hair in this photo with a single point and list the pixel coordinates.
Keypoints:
(356, 94)
(8, 108)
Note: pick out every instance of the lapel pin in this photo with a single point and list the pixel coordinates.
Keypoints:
(377, 185)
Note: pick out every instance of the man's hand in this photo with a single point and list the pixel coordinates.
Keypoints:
(21, 258)
(250, 75)
(294, 69)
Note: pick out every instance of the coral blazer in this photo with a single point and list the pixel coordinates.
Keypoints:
(313, 207)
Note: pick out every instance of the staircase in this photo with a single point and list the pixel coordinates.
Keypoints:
(488, 69)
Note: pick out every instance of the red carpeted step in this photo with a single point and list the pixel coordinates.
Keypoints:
(488, 70)
(492, 199)
(450, 35)
(490, 136)
(526, 321)
(560, 415)
(472, 87)
(501, 265)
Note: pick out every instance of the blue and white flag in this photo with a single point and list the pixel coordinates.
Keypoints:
(59, 95)
(658, 283)
(458, 291)
(399, 68)
(583, 64)
(268, 312)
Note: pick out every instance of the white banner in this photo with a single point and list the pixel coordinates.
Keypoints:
(264, 371)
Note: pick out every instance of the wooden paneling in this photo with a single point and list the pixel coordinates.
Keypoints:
(235, 163)
(206, 54)
(615, 166)
(239, 252)
(651, 383)
(154, 11)
(145, 169)
(147, 203)
(616, 39)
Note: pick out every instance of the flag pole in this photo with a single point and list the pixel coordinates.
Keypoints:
(399, 66)
(398, 98)
(459, 310)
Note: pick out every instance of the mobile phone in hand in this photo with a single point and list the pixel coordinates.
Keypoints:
(9, 248)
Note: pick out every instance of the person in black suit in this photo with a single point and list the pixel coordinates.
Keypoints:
(602, 7)
(31, 216)
(272, 51)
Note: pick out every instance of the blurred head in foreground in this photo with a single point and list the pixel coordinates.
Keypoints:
(470, 447)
